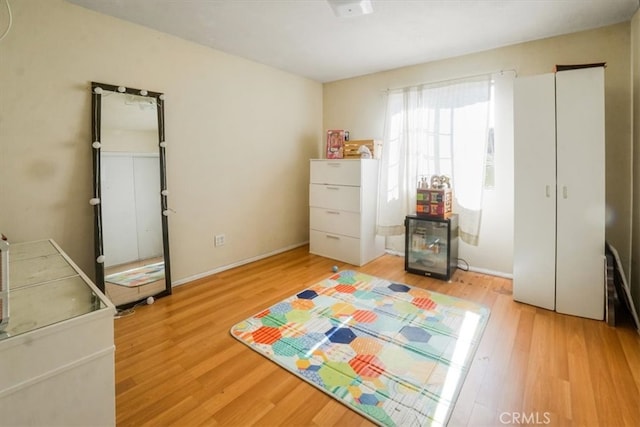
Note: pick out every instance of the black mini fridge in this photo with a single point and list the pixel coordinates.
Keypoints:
(431, 246)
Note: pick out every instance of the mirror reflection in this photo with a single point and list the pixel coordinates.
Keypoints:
(130, 177)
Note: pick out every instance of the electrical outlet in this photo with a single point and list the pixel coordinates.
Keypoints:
(219, 240)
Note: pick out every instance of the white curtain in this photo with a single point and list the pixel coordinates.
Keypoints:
(435, 130)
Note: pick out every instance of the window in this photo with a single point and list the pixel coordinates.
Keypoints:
(436, 130)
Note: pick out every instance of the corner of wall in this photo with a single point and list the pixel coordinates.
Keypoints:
(634, 273)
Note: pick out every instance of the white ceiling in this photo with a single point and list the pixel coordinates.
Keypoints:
(304, 37)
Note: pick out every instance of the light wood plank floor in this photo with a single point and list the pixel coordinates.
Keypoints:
(176, 363)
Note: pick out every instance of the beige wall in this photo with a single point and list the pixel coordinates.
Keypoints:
(240, 135)
(358, 105)
(635, 250)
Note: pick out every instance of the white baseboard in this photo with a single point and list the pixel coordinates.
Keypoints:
(466, 266)
(489, 272)
(395, 253)
(235, 264)
(297, 245)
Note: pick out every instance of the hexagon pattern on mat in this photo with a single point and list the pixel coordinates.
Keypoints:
(397, 354)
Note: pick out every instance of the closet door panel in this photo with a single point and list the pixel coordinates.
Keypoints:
(535, 203)
(581, 192)
(118, 209)
(146, 170)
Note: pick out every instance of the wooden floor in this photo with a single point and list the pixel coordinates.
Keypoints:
(176, 363)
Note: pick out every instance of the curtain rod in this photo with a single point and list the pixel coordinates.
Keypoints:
(440, 82)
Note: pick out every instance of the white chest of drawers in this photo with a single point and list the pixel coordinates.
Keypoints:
(343, 198)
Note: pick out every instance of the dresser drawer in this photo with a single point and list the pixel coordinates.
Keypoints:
(338, 197)
(339, 172)
(335, 246)
(335, 221)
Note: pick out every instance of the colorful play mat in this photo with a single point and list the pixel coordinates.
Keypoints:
(396, 354)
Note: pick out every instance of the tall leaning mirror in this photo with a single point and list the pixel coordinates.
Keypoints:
(131, 238)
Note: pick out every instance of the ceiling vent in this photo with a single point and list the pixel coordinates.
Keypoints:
(345, 8)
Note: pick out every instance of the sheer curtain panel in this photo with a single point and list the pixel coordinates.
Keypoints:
(435, 130)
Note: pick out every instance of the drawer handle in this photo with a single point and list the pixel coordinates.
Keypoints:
(332, 237)
(335, 165)
(333, 212)
(333, 188)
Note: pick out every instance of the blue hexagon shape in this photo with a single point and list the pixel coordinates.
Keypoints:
(415, 334)
(340, 335)
(368, 399)
(307, 294)
(398, 287)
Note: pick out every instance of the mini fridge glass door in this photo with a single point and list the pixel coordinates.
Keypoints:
(427, 246)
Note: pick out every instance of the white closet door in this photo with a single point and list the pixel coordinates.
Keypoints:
(581, 192)
(534, 258)
(146, 170)
(120, 243)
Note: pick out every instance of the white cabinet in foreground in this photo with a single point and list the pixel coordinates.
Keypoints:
(57, 352)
